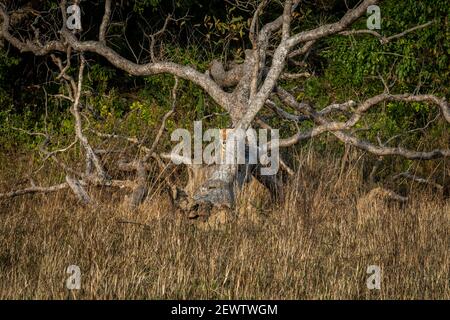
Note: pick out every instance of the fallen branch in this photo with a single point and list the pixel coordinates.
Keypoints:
(420, 180)
(35, 189)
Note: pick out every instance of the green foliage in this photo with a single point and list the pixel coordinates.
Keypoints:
(352, 67)
(232, 30)
(6, 64)
(6, 61)
(140, 5)
(99, 76)
(421, 56)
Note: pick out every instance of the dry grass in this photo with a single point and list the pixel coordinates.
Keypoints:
(316, 245)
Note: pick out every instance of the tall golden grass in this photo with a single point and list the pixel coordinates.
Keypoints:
(316, 244)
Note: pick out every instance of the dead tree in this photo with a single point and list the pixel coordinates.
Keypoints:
(242, 90)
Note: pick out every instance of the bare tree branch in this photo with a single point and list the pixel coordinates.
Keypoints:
(140, 191)
(32, 190)
(337, 127)
(384, 39)
(420, 180)
(333, 28)
(105, 22)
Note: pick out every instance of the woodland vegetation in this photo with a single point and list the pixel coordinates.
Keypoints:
(86, 176)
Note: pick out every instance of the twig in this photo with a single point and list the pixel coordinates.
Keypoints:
(383, 39)
(417, 179)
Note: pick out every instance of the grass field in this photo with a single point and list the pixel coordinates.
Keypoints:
(317, 244)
